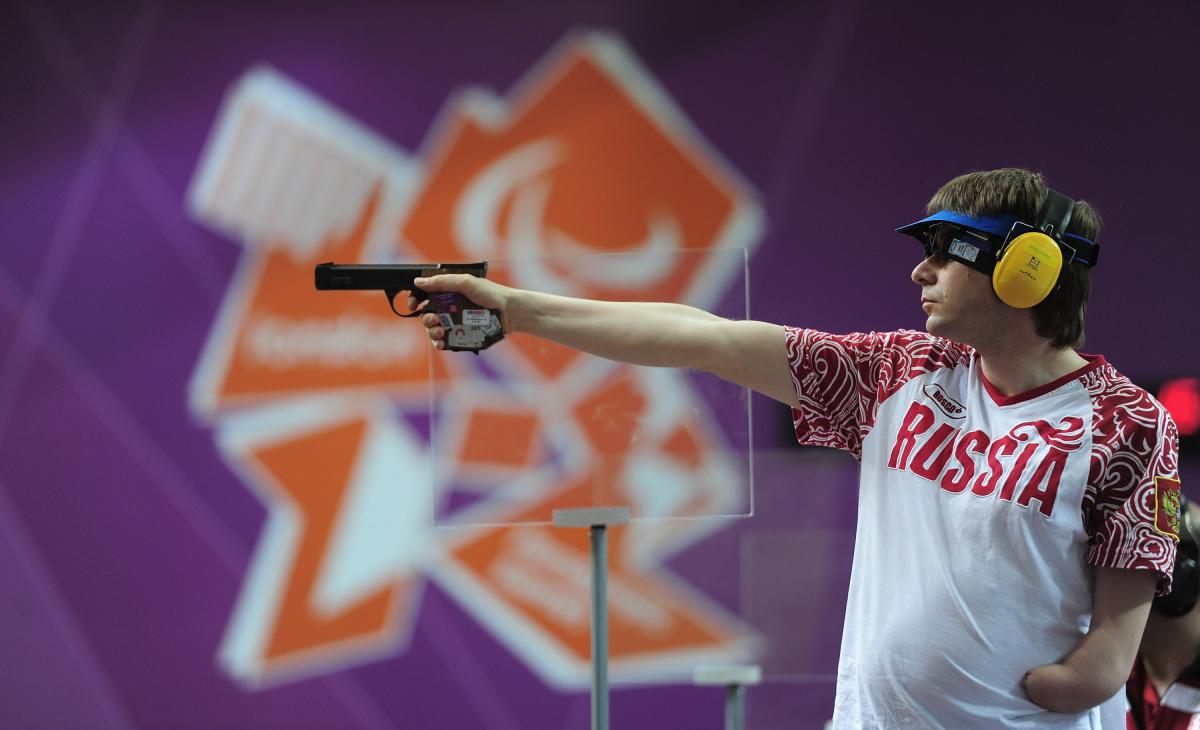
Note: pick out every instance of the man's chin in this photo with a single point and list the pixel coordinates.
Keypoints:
(939, 327)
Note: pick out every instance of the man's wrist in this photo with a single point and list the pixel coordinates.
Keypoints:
(511, 312)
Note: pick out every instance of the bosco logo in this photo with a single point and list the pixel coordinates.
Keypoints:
(589, 156)
(944, 402)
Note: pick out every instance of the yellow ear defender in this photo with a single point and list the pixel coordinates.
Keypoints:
(1027, 270)
(1028, 266)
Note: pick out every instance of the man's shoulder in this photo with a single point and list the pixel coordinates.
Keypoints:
(901, 339)
(1114, 395)
(1129, 423)
(937, 351)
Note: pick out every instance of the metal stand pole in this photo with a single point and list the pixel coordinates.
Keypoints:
(734, 678)
(597, 520)
(599, 627)
(734, 706)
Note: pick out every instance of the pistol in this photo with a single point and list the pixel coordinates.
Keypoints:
(469, 327)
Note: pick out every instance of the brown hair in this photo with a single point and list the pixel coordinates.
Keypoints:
(1012, 190)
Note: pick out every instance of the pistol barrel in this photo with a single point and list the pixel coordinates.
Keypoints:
(386, 277)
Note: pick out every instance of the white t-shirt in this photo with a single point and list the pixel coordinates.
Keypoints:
(979, 519)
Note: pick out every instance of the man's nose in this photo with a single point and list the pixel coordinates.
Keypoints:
(925, 273)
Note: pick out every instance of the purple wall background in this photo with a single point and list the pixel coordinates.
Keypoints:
(123, 537)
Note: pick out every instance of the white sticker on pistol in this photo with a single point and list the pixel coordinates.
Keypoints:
(464, 337)
(475, 316)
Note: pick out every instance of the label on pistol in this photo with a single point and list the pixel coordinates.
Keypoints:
(475, 316)
(465, 336)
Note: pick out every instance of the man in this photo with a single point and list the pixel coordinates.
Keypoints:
(1163, 691)
(1014, 515)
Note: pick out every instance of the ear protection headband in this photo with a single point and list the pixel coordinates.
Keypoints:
(1025, 260)
(1185, 579)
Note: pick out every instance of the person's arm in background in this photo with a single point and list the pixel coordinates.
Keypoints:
(1171, 642)
(1097, 668)
(751, 354)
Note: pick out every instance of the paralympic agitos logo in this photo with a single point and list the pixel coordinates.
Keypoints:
(316, 401)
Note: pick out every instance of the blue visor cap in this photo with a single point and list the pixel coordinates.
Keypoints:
(1084, 251)
(997, 225)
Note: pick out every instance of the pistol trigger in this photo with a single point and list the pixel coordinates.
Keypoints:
(391, 296)
(417, 294)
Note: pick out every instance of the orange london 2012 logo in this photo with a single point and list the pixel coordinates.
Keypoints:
(319, 403)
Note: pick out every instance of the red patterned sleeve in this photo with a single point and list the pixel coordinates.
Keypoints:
(841, 379)
(1131, 505)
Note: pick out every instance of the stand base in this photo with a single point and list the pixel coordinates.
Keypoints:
(725, 674)
(591, 516)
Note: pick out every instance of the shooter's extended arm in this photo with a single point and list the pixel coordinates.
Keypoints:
(468, 326)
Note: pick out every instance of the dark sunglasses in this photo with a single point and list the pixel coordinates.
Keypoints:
(939, 239)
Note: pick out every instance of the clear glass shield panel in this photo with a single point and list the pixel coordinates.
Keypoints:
(770, 592)
(528, 427)
(795, 571)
